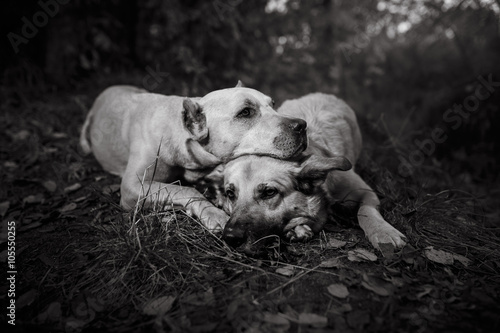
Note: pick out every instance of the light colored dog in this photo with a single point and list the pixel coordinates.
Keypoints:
(152, 141)
(291, 198)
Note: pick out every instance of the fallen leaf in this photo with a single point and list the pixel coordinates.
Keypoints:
(158, 306)
(69, 207)
(33, 199)
(21, 135)
(72, 188)
(334, 243)
(387, 250)
(50, 150)
(285, 271)
(397, 281)
(276, 319)
(4, 207)
(81, 310)
(51, 314)
(346, 307)
(378, 286)
(10, 165)
(80, 199)
(50, 186)
(96, 303)
(59, 135)
(427, 288)
(332, 262)
(463, 260)
(439, 256)
(32, 217)
(26, 298)
(338, 290)
(360, 255)
(313, 320)
(74, 325)
(409, 254)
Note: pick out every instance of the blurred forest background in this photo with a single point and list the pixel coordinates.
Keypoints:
(401, 64)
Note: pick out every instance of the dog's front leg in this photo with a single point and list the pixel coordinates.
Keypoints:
(299, 229)
(152, 193)
(377, 230)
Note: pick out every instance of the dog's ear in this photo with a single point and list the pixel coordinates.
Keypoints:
(202, 158)
(314, 170)
(194, 120)
(240, 84)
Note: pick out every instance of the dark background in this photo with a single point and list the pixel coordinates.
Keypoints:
(400, 64)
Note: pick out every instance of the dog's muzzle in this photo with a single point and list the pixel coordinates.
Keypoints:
(248, 237)
(234, 237)
(293, 137)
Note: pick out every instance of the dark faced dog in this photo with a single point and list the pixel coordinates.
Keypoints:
(291, 198)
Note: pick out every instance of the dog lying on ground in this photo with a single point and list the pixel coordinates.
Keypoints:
(291, 198)
(152, 140)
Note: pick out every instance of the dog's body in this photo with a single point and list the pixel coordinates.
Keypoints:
(267, 195)
(152, 140)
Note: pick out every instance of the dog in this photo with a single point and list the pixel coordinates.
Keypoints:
(265, 196)
(153, 141)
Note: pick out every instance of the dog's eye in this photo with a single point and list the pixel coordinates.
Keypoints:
(269, 193)
(230, 194)
(272, 103)
(245, 113)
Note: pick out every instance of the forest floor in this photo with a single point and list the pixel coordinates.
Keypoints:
(84, 265)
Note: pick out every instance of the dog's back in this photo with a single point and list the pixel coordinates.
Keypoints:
(332, 127)
(117, 92)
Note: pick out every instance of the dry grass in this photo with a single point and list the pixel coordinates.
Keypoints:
(129, 259)
(146, 254)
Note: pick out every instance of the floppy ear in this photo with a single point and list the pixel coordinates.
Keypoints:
(202, 158)
(194, 120)
(315, 169)
(239, 84)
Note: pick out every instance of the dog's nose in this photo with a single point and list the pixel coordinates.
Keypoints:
(234, 237)
(298, 125)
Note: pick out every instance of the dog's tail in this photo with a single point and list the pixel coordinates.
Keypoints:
(85, 143)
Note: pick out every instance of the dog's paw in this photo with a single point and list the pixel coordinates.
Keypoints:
(214, 219)
(300, 233)
(386, 234)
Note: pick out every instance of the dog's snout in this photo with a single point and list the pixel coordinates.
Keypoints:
(234, 237)
(298, 125)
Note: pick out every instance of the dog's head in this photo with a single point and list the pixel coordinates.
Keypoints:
(241, 121)
(267, 196)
